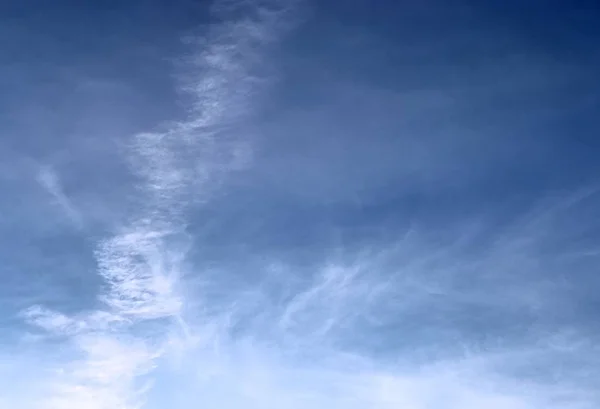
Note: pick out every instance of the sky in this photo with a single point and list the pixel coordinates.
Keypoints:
(299, 203)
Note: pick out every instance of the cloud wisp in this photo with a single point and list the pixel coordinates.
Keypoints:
(142, 262)
(49, 180)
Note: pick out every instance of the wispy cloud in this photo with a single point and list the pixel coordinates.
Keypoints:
(142, 263)
(403, 325)
(50, 182)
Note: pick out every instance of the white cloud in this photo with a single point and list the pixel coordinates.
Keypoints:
(115, 346)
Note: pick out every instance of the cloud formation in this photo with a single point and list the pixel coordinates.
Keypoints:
(142, 263)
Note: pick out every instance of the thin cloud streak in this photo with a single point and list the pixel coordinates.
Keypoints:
(139, 264)
(48, 178)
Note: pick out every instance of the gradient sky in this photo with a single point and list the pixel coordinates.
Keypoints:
(299, 204)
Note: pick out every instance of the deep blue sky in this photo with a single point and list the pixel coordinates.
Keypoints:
(329, 204)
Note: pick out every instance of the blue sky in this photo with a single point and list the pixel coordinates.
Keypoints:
(291, 204)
